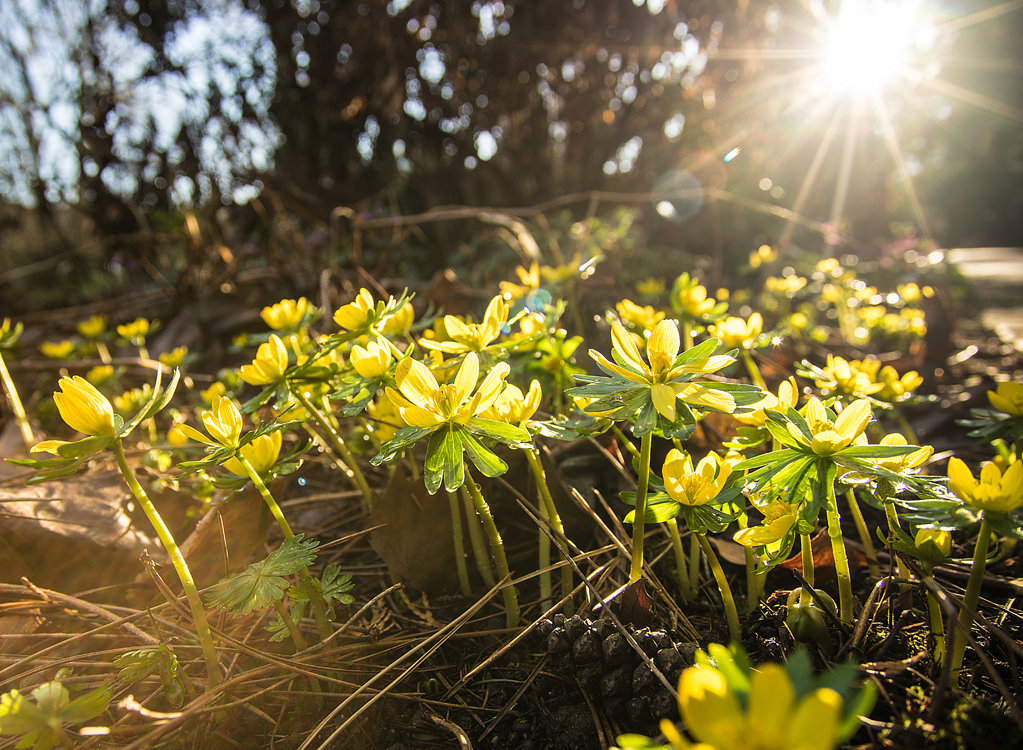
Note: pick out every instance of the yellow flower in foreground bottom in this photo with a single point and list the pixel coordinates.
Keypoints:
(261, 454)
(773, 719)
(83, 407)
(423, 402)
(995, 492)
(1008, 397)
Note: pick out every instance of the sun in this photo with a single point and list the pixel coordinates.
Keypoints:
(871, 44)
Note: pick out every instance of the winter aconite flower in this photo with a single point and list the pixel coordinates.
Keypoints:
(512, 406)
(422, 402)
(666, 378)
(993, 491)
(261, 454)
(269, 365)
(694, 486)
(223, 422)
(1008, 398)
(84, 408)
(371, 361)
(827, 437)
(779, 519)
(736, 332)
(286, 315)
(472, 337)
(356, 315)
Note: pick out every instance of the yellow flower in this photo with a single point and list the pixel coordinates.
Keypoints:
(830, 437)
(738, 332)
(512, 407)
(787, 285)
(57, 349)
(763, 254)
(174, 357)
(995, 492)
(472, 337)
(286, 315)
(896, 388)
(135, 331)
(697, 486)
(644, 318)
(905, 462)
(788, 396)
(779, 518)
(261, 454)
(772, 720)
(662, 349)
(651, 287)
(223, 422)
(853, 377)
(529, 281)
(92, 328)
(399, 322)
(83, 407)
(693, 300)
(422, 402)
(133, 400)
(269, 365)
(355, 316)
(176, 436)
(370, 362)
(384, 419)
(216, 389)
(1007, 397)
(934, 545)
(100, 374)
(799, 321)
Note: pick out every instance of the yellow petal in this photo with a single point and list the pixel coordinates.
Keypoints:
(415, 381)
(698, 395)
(961, 480)
(618, 369)
(815, 722)
(771, 698)
(853, 419)
(709, 709)
(665, 339)
(625, 345)
(466, 377)
(663, 397)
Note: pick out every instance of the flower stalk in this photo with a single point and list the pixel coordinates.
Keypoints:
(511, 599)
(15, 401)
(202, 627)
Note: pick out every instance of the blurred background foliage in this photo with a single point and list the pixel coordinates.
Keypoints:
(165, 138)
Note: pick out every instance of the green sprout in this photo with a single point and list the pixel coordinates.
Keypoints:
(41, 717)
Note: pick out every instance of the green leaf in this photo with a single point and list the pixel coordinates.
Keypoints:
(877, 451)
(335, 587)
(84, 448)
(454, 466)
(433, 474)
(402, 439)
(157, 401)
(701, 351)
(262, 583)
(779, 456)
(502, 432)
(488, 462)
(88, 706)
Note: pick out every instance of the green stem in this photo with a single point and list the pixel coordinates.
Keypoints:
(319, 607)
(864, 534)
(104, 352)
(970, 598)
(937, 622)
(456, 533)
(681, 563)
(752, 369)
(289, 623)
(687, 334)
(16, 406)
(731, 612)
(349, 465)
(479, 549)
(842, 573)
(511, 599)
(639, 519)
(893, 527)
(694, 564)
(202, 626)
(550, 511)
(806, 557)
